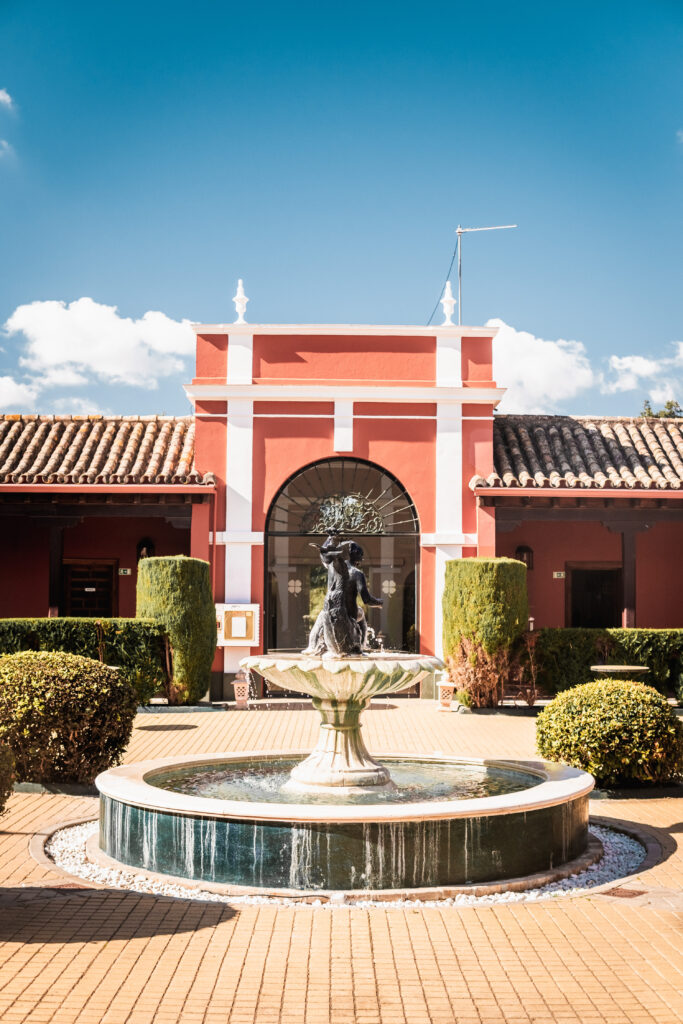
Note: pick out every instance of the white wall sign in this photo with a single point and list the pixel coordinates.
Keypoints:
(238, 625)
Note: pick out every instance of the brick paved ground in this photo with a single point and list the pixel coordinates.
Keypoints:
(73, 953)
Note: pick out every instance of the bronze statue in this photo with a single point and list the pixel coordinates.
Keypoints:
(341, 628)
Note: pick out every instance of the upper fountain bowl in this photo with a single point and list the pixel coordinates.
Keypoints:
(354, 678)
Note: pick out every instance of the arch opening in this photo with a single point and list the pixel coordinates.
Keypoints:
(357, 499)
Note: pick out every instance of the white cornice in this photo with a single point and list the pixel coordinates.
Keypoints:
(337, 330)
(433, 540)
(342, 392)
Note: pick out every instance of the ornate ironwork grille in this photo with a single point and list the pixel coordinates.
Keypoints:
(345, 496)
(356, 499)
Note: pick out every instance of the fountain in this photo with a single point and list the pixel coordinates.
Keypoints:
(338, 819)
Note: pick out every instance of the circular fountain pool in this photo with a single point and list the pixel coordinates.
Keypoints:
(444, 821)
(413, 781)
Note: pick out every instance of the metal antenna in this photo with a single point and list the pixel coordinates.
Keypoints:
(463, 231)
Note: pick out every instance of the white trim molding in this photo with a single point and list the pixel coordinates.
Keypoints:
(236, 537)
(342, 330)
(343, 426)
(408, 393)
(433, 540)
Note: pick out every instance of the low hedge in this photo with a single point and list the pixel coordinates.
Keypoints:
(564, 656)
(136, 646)
(6, 774)
(66, 718)
(620, 731)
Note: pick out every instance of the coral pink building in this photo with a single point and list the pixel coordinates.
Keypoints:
(387, 433)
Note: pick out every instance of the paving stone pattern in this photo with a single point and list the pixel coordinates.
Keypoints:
(73, 953)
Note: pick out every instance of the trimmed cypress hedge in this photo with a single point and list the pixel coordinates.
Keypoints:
(65, 718)
(484, 601)
(564, 656)
(176, 592)
(485, 611)
(135, 646)
(6, 774)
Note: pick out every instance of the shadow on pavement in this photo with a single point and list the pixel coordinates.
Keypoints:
(73, 914)
(163, 728)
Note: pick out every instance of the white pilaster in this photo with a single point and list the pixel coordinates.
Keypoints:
(238, 508)
(240, 359)
(343, 426)
(448, 361)
(448, 491)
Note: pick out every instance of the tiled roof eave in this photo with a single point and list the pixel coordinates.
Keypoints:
(99, 453)
(584, 455)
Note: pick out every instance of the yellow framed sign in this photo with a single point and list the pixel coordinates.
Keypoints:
(238, 625)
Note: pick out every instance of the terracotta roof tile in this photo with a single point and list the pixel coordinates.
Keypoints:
(583, 452)
(82, 450)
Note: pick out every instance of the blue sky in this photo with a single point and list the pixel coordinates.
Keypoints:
(153, 153)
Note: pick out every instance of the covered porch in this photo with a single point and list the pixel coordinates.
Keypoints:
(83, 499)
(594, 506)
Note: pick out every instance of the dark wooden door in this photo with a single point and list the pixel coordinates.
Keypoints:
(90, 588)
(595, 596)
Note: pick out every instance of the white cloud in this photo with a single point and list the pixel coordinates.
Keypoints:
(539, 375)
(6, 150)
(679, 135)
(78, 406)
(86, 340)
(661, 379)
(5, 99)
(629, 370)
(16, 396)
(544, 376)
(60, 377)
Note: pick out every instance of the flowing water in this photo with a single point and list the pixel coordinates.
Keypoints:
(414, 781)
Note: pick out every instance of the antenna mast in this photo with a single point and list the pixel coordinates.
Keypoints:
(463, 231)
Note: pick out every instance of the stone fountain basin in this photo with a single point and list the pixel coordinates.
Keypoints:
(356, 678)
(322, 847)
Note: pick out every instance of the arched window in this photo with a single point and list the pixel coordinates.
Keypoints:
(356, 499)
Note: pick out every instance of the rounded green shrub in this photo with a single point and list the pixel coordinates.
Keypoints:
(66, 718)
(176, 592)
(621, 732)
(6, 774)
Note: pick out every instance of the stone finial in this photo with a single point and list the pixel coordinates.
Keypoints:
(448, 303)
(240, 301)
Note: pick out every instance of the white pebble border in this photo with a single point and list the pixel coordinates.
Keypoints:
(622, 856)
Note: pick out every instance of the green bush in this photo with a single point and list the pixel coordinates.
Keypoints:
(485, 611)
(66, 718)
(564, 656)
(176, 592)
(484, 601)
(6, 774)
(464, 697)
(137, 647)
(621, 732)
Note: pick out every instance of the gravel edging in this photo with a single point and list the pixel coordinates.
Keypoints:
(623, 856)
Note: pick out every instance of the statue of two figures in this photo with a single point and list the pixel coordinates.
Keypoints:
(341, 629)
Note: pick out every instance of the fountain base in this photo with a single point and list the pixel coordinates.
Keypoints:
(311, 846)
(340, 757)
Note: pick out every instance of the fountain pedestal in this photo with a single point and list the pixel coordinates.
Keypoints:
(341, 689)
(340, 757)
